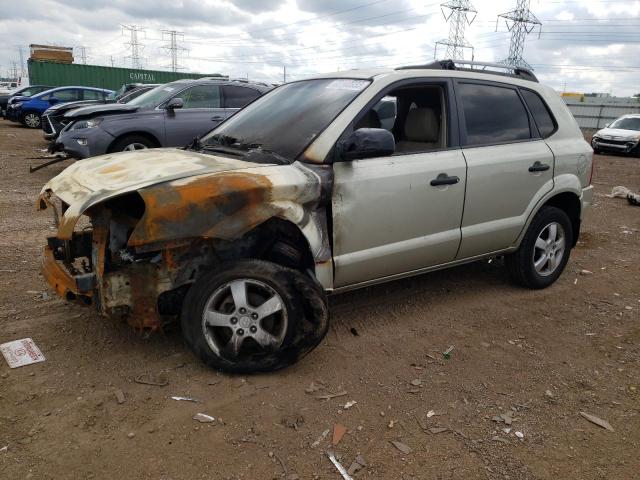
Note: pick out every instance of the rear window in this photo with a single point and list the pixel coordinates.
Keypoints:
(493, 114)
(541, 115)
(238, 97)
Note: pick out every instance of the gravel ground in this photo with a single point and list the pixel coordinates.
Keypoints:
(538, 358)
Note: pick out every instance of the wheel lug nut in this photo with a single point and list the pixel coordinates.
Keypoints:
(243, 310)
(253, 329)
(240, 331)
(254, 316)
(234, 320)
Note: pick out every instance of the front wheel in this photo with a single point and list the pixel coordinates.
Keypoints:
(254, 316)
(30, 120)
(544, 251)
(131, 143)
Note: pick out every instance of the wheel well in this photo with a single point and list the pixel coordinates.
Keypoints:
(570, 204)
(146, 135)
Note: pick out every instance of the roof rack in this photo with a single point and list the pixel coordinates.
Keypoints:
(511, 71)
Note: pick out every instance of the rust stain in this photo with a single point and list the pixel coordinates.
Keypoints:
(202, 207)
(112, 169)
(59, 278)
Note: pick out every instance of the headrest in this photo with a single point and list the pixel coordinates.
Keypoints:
(422, 126)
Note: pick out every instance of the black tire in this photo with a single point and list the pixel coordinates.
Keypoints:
(520, 264)
(31, 120)
(303, 301)
(121, 144)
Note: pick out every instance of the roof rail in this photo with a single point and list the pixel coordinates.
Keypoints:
(511, 71)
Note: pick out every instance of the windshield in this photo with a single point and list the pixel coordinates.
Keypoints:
(287, 119)
(155, 97)
(629, 123)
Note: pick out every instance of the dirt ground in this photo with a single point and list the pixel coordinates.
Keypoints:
(541, 357)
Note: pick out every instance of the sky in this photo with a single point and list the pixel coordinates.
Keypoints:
(581, 46)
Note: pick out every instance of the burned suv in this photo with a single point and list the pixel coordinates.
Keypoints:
(322, 186)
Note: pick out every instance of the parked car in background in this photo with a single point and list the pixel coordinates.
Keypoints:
(170, 115)
(28, 110)
(622, 136)
(7, 87)
(20, 92)
(53, 121)
(312, 189)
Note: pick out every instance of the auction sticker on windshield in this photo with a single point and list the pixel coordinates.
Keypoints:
(21, 352)
(348, 84)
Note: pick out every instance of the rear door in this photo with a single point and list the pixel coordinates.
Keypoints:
(237, 97)
(510, 167)
(201, 112)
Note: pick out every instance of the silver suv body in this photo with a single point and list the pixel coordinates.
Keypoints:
(321, 186)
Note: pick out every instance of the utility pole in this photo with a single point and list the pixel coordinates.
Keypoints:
(112, 60)
(22, 72)
(520, 22)
(284, 74)
(134, 44)
(173, 47)
(460, 13)
(83, 54)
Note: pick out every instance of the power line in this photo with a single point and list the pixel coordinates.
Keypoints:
(173, 47)
(520, 23)
(134, 44)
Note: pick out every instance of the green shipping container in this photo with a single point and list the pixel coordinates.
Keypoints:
(63, 74)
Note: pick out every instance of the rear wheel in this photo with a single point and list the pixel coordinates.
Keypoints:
(251, 316)
(544, 251)
(131, 143)
(30, 120)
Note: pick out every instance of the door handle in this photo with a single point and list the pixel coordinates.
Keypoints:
(444, 179)
(539, 167)
(217, 118)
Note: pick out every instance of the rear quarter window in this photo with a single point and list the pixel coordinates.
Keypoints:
(493, 114)
(238, 97)
(541, 115)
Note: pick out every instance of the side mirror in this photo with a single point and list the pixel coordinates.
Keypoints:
(366, 143)
(174, 103)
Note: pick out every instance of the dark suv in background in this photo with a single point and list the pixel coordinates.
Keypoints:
(53, 118)
(20, 92)
(170, 115)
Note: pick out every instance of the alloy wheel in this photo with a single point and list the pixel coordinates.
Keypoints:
(32, 120)
(134, 146)
(549, 249)
(244, 317)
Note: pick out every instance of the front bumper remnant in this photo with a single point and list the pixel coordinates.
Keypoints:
(66, 285)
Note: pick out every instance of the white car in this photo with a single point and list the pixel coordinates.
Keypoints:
(622, 136)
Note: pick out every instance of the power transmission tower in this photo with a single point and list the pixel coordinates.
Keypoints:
(134, 44)
(111, 60)
(14, 71)
(460, 14)
(173, 47)
(22, 71)
(520, 22)
(83, 54)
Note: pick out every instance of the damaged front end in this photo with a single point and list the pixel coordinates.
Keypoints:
(131, 240)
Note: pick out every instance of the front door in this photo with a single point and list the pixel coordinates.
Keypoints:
(201, 112)
(401, 213)
(510, 167)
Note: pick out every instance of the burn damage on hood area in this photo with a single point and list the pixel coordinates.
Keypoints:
(132, 239)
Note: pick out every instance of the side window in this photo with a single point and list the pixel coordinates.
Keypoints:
(540, 111)
(92, 95)
(202, 96)
(493, 114)
(238, 97)
(414, 114)
(70, 95)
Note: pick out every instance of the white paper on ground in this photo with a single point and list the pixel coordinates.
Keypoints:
(21, 352)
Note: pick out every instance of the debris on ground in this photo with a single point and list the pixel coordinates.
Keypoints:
(500, 439)
(358, 464)
(314, 387)
(338, 466)
(585, 272)
(505, 418)
(598, 421)
(322, 436)
(431, 413)
(293, 421)
(131, 435)
(416, 382)
(329, 396)
(548, 393)
(338, 432)
(447, 353)
(406, 449)
(149, 379)
(354, 332)
(120, 398)
(203, 418)
(620, 192)
(437, 430)
(633, 199)
(520, 435)
(4, 449)
(19, 353)
(185, 399)
(348, 405)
